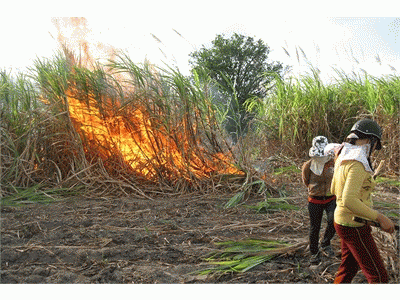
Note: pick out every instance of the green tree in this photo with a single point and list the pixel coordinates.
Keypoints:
(240, 66)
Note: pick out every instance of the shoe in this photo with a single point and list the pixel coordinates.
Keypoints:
(328, 251)
(315, 259)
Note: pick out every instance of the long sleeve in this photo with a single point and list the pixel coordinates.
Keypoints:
(352, 186)
(351, 192)
(305, 173)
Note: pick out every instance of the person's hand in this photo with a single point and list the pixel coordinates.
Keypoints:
(386, 224)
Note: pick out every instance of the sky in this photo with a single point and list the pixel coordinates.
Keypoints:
(350, 43)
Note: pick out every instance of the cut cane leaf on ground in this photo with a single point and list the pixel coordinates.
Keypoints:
(241, 256)
(273, 204)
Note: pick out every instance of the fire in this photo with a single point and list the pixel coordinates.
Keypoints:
(144, 148)
(75, 34)
(145, 144)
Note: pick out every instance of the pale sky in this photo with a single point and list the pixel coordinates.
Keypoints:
(129, 25)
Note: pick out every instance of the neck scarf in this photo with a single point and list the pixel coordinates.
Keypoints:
(318, 163)
(358, 153)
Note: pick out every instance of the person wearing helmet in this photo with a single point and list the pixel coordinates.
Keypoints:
(317, 174)
(352, 184)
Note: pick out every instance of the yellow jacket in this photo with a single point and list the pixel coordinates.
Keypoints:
(352, 185)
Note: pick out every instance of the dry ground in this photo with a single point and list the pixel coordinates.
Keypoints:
(161, 241)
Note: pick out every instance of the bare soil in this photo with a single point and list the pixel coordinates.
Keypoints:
(164, 240)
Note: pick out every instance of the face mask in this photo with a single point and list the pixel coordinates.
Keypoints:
(359, 153)
(367, 149)
(318, 163)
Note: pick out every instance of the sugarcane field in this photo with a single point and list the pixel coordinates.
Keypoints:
(122, 172)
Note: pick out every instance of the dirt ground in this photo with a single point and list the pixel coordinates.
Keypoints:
(164, 240)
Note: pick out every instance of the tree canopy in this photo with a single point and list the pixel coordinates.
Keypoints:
(240, 66)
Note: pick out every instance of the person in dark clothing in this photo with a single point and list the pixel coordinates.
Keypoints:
(317, 175)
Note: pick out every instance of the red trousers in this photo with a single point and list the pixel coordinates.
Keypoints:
(359, 250)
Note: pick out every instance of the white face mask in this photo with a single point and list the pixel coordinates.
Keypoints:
(318, 163)
(367, 148)
(358, 153)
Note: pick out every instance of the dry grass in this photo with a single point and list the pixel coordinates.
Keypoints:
(390, 251)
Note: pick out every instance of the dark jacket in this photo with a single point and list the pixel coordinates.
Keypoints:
(318, 185)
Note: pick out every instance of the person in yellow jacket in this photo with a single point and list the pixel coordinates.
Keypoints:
(352, 184)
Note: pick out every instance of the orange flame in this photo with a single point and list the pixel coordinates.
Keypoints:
(144, 145)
